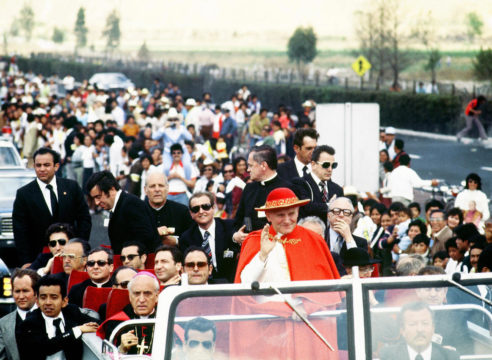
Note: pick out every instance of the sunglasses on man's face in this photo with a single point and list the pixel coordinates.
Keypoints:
(205, 207)
(129, 257)
(123, 284)
(205, 344)
(327, 164)
(199, 264)
(52, 243)
(100, 263)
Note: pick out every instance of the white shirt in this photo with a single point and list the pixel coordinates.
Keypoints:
(300, 166)
(116, 198)
(46, 192)
(402, 180)
(211, 240)
(426, 354)
(50, 331)
(23, 313)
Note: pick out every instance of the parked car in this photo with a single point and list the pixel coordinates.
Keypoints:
(9, 156)
(111, 81)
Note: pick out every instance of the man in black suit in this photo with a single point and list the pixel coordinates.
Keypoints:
(99, 267)
(214, 235)
(262, 166)
(171, 218)
(417, 328)
(56, 327)
(338, 234)
(45, 201)
(317, 185)
(23, 283)
(130, 218)
(305, 141)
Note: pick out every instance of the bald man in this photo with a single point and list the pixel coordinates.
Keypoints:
(170, 218)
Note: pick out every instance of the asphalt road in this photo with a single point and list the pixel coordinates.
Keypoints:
(435, 158)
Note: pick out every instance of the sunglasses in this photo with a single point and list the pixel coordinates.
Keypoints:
(123, 284)
(205, 207)
(327, 164)
(199, 264)
(338, 211)
(205, 344)
(129, 257)
(101, 263)
(52, 243)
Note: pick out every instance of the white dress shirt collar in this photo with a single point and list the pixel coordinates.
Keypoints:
(23, 313)
(426, 354)
(300, 166)
(46, 192)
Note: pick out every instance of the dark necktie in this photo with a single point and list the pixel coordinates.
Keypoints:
(54, 202)
(56, 324)
(304, 170)
(206, 244)
(419, 357)
(323, 191)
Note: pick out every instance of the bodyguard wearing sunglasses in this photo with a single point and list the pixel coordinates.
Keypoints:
(317, 185)
(200, 334)
(214, 235)
(133, 255)
(99, 267)
(57, 235)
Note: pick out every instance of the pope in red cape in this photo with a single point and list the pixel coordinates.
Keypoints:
(284, 251)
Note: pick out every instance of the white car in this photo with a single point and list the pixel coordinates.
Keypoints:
(111, 81)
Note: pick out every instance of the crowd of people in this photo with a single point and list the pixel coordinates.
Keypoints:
(197, 193)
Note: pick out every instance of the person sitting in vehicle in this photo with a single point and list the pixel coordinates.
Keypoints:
(417, 327)
(143, 292)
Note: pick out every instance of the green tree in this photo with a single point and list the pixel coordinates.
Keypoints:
(14, 27)
(112, 31)
(80, 30)
(144, 52)
(432, 62)
(301, 47)
(482, 65)
(58, 36)
(26, 21)
(474, 25)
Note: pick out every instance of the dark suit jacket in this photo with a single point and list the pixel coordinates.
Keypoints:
(31, 216)
(226, 265)
(172, 214)
(400, 352)
(40, 261)
(254, 195)
(360, 242)
(34, 343)
(76, 294)
(9, 327)
(132, 220)
(308, 189)
(288, 170)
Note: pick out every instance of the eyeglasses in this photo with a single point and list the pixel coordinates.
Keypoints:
(129, 257)
(338, 211)
(71, 256)
(123, 284)
(327, 164)
(194, 343)
(101, 263)
(228, 171)
(199, 264)
(52, 243)
(205, 207)
(366, 270)
(207, 169)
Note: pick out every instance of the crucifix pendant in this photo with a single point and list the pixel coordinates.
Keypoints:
(142, 347)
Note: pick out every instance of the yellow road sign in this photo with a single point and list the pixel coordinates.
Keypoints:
(361, 65)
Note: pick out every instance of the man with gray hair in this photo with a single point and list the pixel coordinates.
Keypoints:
(170, 217)
(410, 265)
(313, 223)
(338, 234)
(143, 290)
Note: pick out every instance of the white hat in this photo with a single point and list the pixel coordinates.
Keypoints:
(307, 103)
(172, 114)
(390, 130)
(190, 102)
(132, 103)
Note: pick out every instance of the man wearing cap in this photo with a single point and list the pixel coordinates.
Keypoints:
(308, 116)
(284, 251)
(389, 139)
(143, 291)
